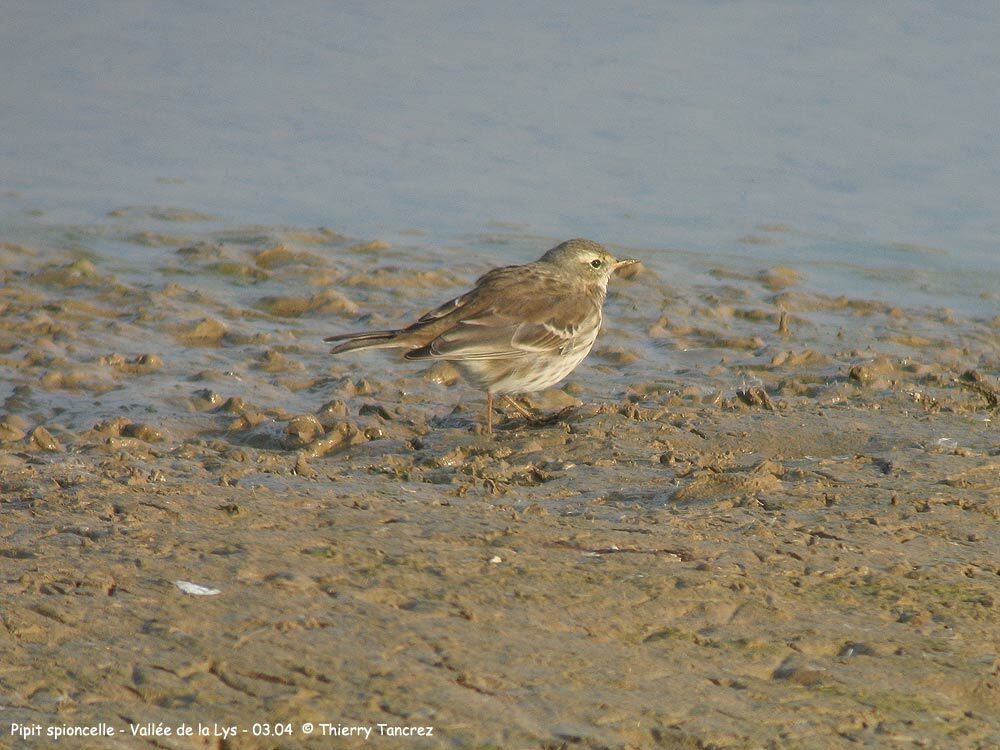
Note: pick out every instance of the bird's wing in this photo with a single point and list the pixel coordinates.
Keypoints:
(497, 334)
(467, 340)
(470, 340)
(509, 313)
(459, 306)
(441, 311)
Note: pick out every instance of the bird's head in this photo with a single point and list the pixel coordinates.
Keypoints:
(586, 259)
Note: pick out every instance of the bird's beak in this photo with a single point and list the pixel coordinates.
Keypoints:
(625, 262)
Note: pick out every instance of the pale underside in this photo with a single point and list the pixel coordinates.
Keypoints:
(533, 369)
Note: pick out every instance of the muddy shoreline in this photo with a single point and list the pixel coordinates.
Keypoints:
(768, 517)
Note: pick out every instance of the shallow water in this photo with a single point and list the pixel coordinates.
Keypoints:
(868, 131)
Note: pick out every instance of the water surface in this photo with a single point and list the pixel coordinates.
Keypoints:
(865, 129)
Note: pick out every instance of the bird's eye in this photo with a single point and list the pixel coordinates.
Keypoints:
(596, 263)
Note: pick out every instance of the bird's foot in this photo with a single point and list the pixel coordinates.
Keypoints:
(540, 420)
(555, 417)
(526, 413)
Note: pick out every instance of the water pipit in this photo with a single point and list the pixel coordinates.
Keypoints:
(520, 329)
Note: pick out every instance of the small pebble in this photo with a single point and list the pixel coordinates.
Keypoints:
(43, 439)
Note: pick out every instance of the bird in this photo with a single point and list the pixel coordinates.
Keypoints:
(520, 329)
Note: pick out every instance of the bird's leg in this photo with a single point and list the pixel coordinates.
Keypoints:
(536, 419)
(489, 413)
(524, 412)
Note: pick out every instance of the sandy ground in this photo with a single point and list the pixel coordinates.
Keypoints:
(766, 519)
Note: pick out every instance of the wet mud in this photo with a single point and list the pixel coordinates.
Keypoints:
(760, 515)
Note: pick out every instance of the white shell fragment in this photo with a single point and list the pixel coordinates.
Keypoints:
(195, 590)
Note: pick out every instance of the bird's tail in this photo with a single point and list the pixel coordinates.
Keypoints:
(364, 340)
